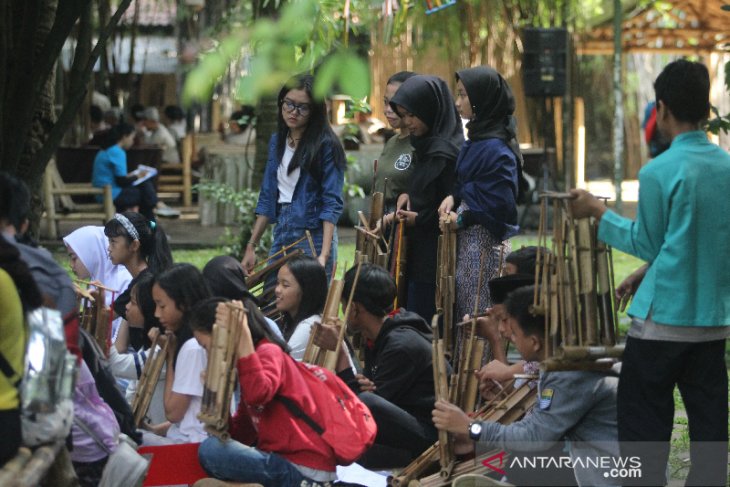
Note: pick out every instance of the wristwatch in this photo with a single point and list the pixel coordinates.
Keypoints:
(475, 430)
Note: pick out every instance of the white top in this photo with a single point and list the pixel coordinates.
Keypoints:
(189, 367)
(287, 182)
(299, 339)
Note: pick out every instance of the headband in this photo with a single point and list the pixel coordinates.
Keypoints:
(127, 225)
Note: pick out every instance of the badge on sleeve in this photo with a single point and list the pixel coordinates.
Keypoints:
(546, 398)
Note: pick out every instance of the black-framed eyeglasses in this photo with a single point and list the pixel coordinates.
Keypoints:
(289, 106)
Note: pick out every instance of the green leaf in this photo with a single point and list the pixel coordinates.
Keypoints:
(355, 76)
(326, 75)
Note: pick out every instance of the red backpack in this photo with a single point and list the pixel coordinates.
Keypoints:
(348, 426)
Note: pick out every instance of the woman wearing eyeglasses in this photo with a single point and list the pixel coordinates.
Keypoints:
(303, 179)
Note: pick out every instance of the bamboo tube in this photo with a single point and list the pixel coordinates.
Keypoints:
(97, 286)
(149, 387)
(556, 364)
(312, 248)
(605, 296)
(313, 354)
(39, 463)
(259, 276)
(143, 379)
(376, 209)
(331, 363)
(591, 353)
(472, 383)
(14, 466)
(587, 282)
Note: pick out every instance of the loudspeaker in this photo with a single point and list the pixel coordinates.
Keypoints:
(544, 61)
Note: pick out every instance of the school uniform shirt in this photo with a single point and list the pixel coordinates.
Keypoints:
(577, 406)
(681, 230)
(189, 366)
(267, 423)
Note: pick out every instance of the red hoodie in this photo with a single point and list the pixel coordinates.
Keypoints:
(266, 422)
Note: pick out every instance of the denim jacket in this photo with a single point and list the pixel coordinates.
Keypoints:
(313, 201)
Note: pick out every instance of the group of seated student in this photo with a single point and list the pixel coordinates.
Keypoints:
(177, 303)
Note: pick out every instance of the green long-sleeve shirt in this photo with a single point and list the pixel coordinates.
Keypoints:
(682, 229)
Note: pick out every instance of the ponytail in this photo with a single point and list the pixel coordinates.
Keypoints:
(153, 244)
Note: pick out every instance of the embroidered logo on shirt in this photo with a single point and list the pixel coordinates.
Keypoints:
(403, 162)
(546, 398)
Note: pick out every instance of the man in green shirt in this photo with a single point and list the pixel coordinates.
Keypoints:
(681, 310)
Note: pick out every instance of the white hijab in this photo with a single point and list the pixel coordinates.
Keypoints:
(91, 246)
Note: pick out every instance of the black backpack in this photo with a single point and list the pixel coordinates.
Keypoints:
(106, 384)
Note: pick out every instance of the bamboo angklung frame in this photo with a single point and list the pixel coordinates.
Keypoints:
(148, 381)
(576, 289)
(441, 387)
(96, 316)
(504, 408)
(328, 358)
(220, 374)
(445, 286)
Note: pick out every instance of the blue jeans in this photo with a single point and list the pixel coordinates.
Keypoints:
(287, 232)
(234, 461)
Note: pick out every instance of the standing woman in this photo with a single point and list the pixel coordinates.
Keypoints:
(305, 172)
(488, 172)
(428, 112)
(395, 162)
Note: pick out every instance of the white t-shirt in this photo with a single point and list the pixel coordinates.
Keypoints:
(299, 339)
(189, 366)
(287, 182)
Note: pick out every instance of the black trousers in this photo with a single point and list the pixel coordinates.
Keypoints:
(11, 434)
(401, 437)
(650, 371)
(143, 195)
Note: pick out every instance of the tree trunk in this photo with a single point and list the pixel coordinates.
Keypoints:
(267, 110)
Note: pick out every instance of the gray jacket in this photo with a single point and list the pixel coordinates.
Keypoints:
(576, 407)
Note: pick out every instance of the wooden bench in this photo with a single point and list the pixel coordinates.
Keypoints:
(59, 204)
(178, 178)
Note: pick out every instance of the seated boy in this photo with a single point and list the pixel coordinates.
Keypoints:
(397, 380)
(575, 407)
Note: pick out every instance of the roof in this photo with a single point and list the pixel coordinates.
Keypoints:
(679, 27)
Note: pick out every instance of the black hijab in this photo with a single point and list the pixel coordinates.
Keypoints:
(226, 279)
(493, 105)
(428, 98)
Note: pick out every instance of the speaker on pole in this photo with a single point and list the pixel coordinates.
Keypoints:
(544, 61)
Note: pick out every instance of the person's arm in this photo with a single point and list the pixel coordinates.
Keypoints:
(121, 344)
(333, 179)
(249, 256)
(434, 193)
(327, 234)
(176, 404)
(573, 395)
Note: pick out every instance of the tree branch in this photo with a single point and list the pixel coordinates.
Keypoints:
(77, 93)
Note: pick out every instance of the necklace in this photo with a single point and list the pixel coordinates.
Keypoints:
(291, 141)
